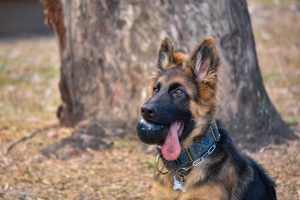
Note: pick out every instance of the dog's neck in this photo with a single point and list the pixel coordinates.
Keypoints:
(194, 154)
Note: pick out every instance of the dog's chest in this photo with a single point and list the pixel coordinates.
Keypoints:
(163, 188)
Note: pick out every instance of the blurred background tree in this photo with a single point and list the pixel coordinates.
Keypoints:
(108, 49)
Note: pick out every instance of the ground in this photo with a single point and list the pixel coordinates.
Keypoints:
(29, 96)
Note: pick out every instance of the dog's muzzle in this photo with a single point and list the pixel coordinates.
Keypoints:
(151, 133)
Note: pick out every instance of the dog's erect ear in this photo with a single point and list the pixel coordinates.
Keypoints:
(165, 54)
(204, 59)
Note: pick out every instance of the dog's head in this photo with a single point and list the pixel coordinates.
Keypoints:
(182, 97)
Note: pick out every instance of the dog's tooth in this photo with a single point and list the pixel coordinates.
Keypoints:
(178, 125)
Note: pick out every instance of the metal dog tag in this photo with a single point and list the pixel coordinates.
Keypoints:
(178, 183)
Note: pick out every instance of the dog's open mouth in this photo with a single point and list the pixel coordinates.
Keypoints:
(167, 137)
(171, 147)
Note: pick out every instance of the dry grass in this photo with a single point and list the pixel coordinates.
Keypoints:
(276, 25)
(29, 97)
(110, 174)
(28, 80)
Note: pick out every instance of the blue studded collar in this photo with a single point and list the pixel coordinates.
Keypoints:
(193, 155)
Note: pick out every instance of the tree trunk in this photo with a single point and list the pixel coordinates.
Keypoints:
(108, 47)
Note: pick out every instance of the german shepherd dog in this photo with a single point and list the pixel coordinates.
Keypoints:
(196, 157)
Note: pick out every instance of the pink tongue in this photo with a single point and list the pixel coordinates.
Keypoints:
(171, 147)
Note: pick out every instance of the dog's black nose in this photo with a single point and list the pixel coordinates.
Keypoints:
(148, 111)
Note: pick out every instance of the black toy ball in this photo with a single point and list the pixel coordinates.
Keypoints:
(151, 133)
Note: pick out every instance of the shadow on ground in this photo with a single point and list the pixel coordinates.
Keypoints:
(86, 135)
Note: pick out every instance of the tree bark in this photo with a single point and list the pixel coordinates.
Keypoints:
(109, 47)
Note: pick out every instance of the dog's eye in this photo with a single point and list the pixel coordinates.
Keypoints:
(178, 92)
(155, 90)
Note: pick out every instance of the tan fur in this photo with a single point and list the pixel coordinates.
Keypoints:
(208, 89)
(180, 57)
(162, 188)
(152, 82)
(227, 181)
(151, 87)
(190, 88)
(163, 79)
(201, 112)
(232, 178)
(169, 66)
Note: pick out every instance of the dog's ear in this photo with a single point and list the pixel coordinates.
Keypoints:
(165, 54)
(204, 59)
(204, 63)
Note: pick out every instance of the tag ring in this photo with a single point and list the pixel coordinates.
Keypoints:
(161, 171)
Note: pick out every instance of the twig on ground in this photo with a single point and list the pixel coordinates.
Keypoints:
(17, 193)
(25, 138)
